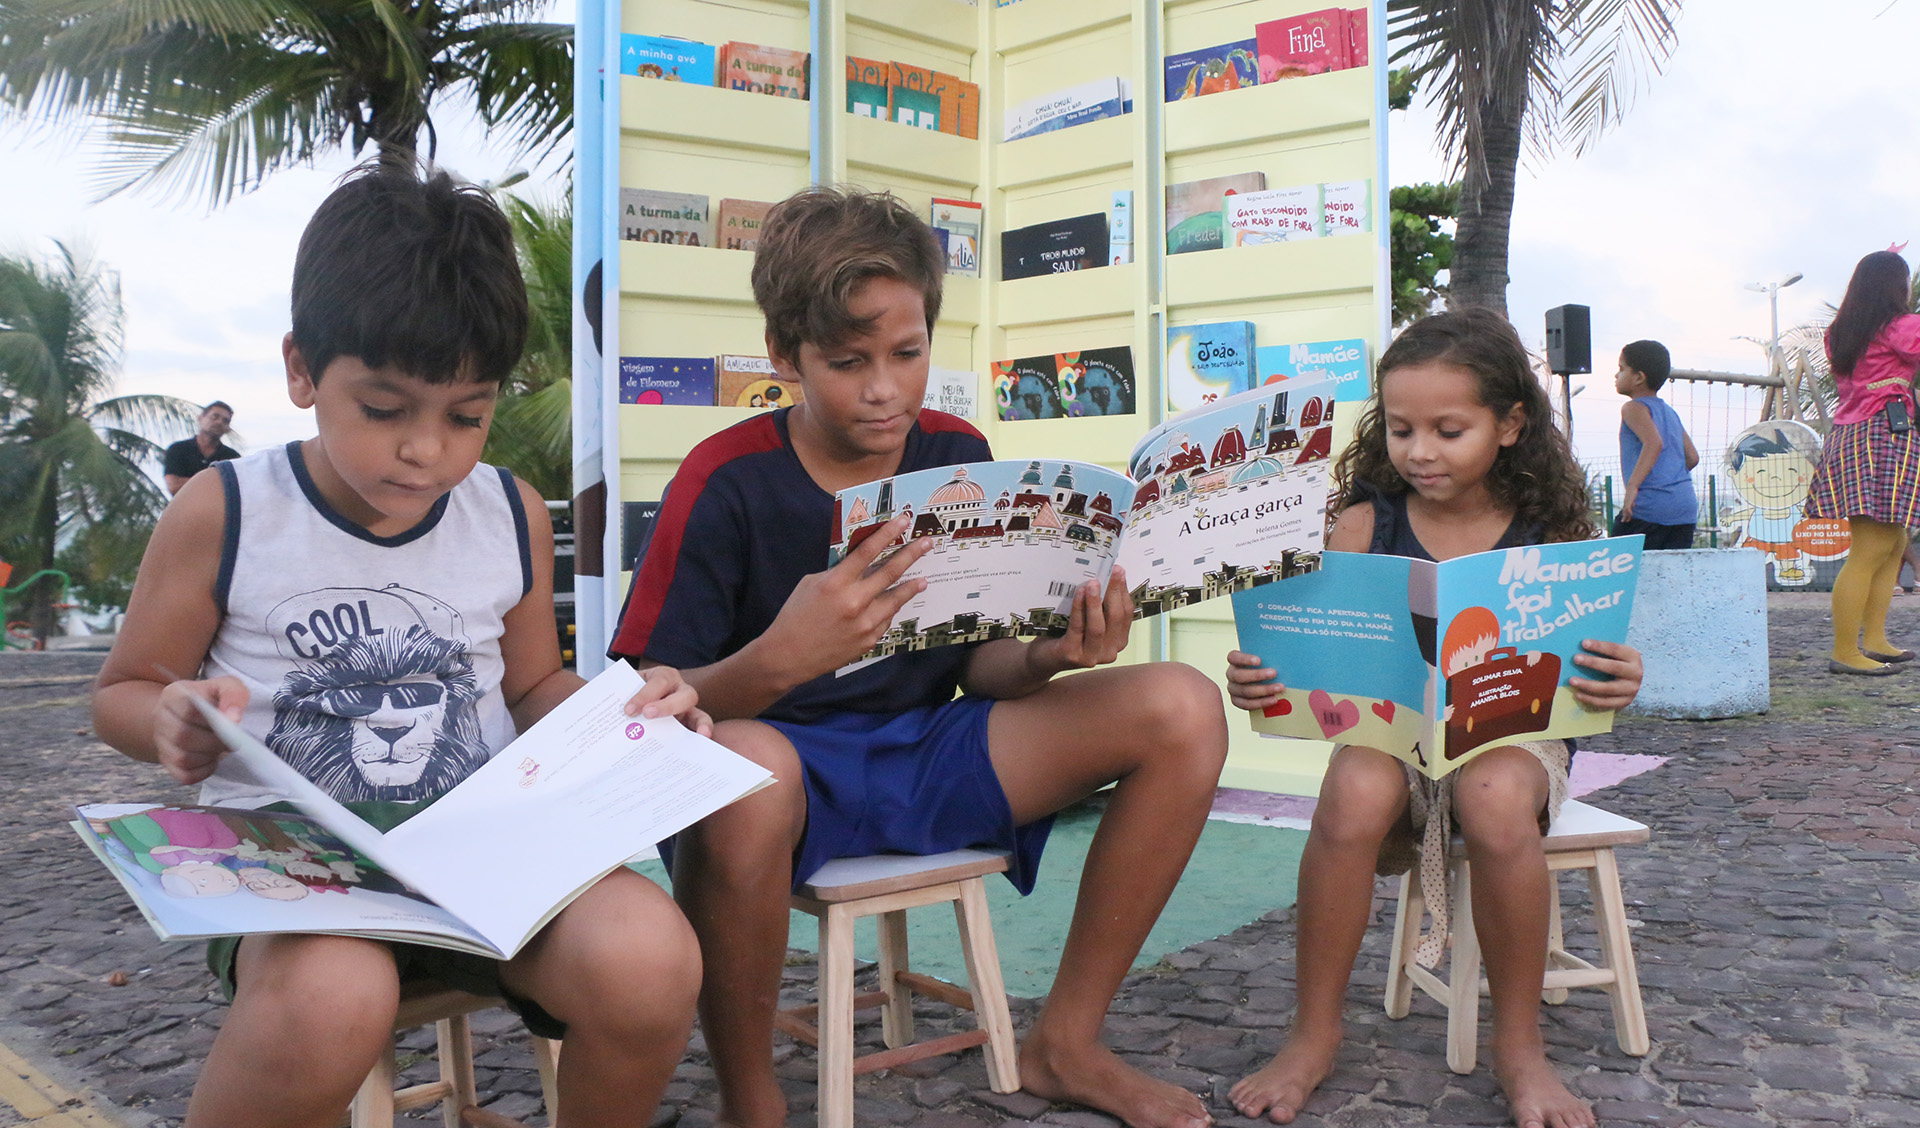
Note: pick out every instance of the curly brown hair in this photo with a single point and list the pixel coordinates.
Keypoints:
(820, 245)
(1536, 477)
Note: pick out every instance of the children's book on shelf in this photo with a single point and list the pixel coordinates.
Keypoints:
(1058, 246)
(738, 223)
(1276, 215)
(481, 870)
(1096, 381)
(757, 69)
(752, 381)
(1196, 219)
(867, 87)
(1357, 36)
(917, 108)
(958, 101)
(650, 216)
(1027, 388)
(1347, 206)
(1306, 44)
(667, 379)
(1434, 663)
(1120, 228)
(675, 60)
(1209, 362)
(1218, 500)
(1343, 362)
(1230, 66)
(962, 220)
(953, 390)
(1076, 105)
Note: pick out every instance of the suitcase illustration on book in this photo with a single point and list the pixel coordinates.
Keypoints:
(1509, 693)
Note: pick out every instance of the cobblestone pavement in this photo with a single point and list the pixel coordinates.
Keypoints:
(1778, 936)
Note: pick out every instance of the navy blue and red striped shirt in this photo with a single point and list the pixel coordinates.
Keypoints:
(740, 526)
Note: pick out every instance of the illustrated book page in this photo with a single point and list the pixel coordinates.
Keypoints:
(1434, 663)
(1227, 497)
(578, 794)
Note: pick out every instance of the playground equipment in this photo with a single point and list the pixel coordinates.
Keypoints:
(19, 635)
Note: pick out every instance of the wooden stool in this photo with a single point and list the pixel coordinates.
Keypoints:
(1582, 838)
(377, 1101)
(886, 886)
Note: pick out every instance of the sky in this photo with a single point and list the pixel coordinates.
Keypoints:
(1775, 142)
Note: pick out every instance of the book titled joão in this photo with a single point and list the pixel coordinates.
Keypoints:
(667, 379)
(1055, 247)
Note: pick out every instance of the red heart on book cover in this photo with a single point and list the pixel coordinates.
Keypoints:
(1383, 710)
(1279, 708)
(1333, 716)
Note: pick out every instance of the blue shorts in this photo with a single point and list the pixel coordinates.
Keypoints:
(918, 782)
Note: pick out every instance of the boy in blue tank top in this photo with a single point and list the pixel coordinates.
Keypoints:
(1655, 453)
(733, 587)
(377, 607)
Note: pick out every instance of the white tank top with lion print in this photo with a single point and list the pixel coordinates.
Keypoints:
(372, 664)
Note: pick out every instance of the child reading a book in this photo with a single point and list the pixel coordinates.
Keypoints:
(733, 586)
(376, 606)
(1458, 454)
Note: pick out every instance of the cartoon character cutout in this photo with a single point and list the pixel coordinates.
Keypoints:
(1771, 464)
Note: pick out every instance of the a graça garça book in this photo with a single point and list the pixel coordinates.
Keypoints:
(480, 870)
(1222, 498)
(1434, 663)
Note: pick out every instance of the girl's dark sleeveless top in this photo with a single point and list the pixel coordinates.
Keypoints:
(1393, 533)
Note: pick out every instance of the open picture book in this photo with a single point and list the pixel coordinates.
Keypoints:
(481, 870)
(1433, 663)
(1219, 499)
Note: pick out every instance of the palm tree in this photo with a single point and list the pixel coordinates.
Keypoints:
(532, 431)
(212, 96)
(70, 454)
(1509, 75)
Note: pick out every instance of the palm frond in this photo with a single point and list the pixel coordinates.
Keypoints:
(1630, 42)
(521, 79)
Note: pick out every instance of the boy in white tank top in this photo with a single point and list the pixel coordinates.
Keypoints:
(377, 606)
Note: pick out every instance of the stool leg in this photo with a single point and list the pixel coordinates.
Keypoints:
(1463, 977)
(836, 1018)
(1406, 937)
(896, 1018)
(456, 1068)
(373, 1104)
(988, 988)
(1610, 910)
(1556, 935)
(546, 1059)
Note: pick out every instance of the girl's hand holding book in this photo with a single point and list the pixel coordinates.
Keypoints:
(1250, 685)
(1621, 665)
(187, 747)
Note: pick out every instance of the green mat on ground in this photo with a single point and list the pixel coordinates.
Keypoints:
(1239, 872)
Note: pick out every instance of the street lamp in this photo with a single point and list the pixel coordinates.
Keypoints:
(1772, 291)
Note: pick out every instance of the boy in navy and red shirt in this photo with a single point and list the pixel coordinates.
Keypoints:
(733, 588)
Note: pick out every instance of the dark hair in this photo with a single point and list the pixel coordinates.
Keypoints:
(821, 244)
(410, 272)
(1757, 445)
(1649, 359)
(1877, 294)
(223, 404)
(1536, 477)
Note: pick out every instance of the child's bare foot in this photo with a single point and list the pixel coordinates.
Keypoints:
(1282, 1087)
(1535, 1092)
(1094, 1077)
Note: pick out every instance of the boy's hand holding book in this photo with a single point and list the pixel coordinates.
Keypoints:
(835, 616)
(185, 742)
(1097, 630)
(667, 694)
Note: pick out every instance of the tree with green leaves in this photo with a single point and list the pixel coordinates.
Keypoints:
(207, 98)
(532, 432)
(71, 452)
(1514, 75)
(1420, 247)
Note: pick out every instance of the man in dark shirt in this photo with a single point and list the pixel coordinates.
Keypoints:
(190, 456)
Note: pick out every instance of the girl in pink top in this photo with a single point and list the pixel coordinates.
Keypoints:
(1869, 470)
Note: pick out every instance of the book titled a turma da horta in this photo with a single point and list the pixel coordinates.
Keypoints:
(650, 216)
(1055, 247)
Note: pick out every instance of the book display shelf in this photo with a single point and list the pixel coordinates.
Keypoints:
(696, 301)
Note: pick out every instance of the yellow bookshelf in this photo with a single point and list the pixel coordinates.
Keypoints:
(697, 301)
